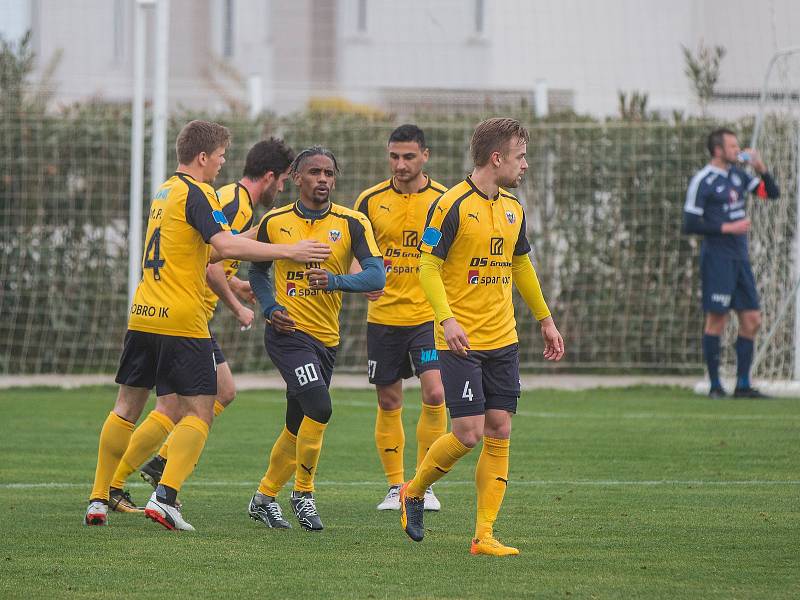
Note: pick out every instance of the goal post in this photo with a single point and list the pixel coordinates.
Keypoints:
(779, 109)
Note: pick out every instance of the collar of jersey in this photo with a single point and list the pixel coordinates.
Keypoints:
(179, 173)
(419, 191)
(480, 193)
(239, 186)
(719, 171)
(299, 211)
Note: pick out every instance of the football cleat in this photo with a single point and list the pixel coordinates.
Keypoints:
(392, 499)
(166, 515)
(305, 509)
(152, 470)
(717, 393)
(120, 501)
(431, 501)
(491, 547)
(268, 511)
(750, 392)
(411, 514)
(96, 513)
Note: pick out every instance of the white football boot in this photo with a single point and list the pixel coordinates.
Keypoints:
(96, 514)
(392, 499)
(166, 515)
(431, 501)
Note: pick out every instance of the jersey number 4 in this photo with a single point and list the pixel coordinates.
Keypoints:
(156, 262)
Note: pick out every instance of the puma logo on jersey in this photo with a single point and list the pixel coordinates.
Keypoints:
(386, 208)
(474, 216)
(395, 450)
(286, 231)
(440, 209)
(307, 469)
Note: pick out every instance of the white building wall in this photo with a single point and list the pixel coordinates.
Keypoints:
(592, 47)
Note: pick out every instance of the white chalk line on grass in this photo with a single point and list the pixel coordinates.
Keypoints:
(576, 416)
(528, 483)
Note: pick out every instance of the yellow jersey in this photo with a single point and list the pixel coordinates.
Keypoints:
(398, 220)
(184, 215)
(238, 209)
(347, 232)
(477, 237)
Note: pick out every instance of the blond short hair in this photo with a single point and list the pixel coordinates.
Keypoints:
(495, 135)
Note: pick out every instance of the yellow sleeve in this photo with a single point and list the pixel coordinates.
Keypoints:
(527, 283)
(430, 278)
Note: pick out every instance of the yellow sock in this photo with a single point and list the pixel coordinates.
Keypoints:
(218, 407)
(114, 438)
(390, 440)
(491, 479)
(431, 426)
(144, 441)
(162, 452)
(444, 453)
(282, 464)
(188, 439)
(309, 445)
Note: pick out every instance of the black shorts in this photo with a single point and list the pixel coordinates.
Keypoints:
(173, 364)
(303, 361)
(395, 352)
(728, 283)
(219, 357)
(481, 380)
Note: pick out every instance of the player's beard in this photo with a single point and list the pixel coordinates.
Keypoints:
(407, 176)
(268, 195)
(512, 183)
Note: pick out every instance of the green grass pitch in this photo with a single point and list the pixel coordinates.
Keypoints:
(647, 493)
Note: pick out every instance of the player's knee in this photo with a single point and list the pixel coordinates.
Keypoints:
(316, 404)
(754, 322)
(715, 323)
(468, 433)
(433, 397)
(226, 395)
(500, 431)
(389, 398)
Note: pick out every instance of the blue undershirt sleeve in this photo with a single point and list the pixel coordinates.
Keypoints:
(260, 276)
(370, 279)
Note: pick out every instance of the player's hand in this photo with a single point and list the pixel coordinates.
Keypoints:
(317, 278)
(282, 322)
(755, 160)
(553, 342)
(245, 317)
(372, 296)
(243, 290)
(736, 227)
(455, 337)
(308, 251)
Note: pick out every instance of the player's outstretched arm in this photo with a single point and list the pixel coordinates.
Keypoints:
(227, 245)
(371, 277)
(526, 281)
(215, 277)
(355, 267)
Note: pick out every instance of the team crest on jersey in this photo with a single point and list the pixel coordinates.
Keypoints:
(511, 217)
(733, 197)
(387, 265)
(291, 289)
(472, 276)
(736, 180)
(334, 235)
